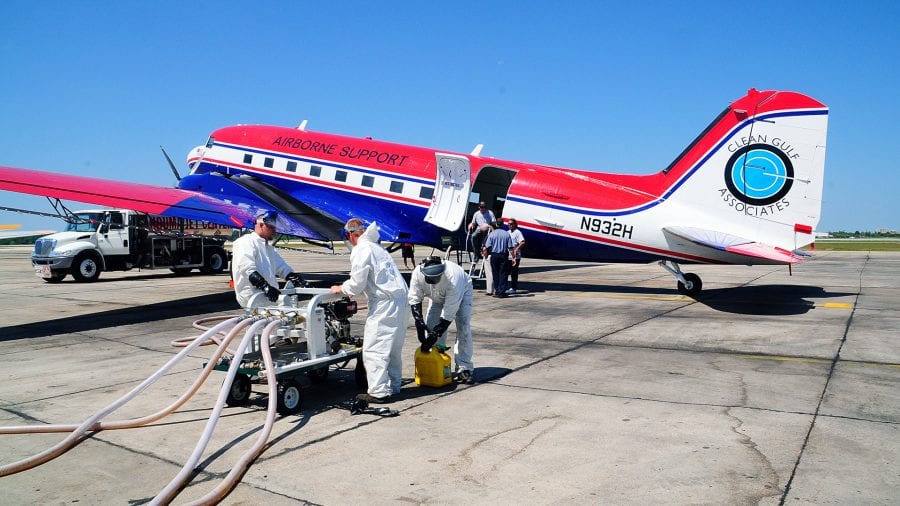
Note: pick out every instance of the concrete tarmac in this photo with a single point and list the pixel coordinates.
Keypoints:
(604, 387)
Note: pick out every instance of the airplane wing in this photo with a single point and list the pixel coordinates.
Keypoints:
(232, 205)
(723, 241)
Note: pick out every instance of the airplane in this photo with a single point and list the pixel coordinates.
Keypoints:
(12, 232)
(747, 190)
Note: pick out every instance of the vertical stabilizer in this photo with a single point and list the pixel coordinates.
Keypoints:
(757, 171)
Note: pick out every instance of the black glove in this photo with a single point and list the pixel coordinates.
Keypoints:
(429, 341)
(296, 279)
(260, 282)
(441, 327)
(421, 328)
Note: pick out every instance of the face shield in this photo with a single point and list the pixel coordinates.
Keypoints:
(433, 269)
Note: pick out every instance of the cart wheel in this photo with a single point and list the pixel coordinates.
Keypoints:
(317, 375)
(239, 393)
(288, 397)
(360, 373)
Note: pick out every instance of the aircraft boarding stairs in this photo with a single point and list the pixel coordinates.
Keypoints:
(476, 261)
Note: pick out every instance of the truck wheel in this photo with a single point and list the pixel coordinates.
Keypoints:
(86, 267)
(55, 277)
(215, 261)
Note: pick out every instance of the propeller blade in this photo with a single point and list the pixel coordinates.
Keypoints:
(171, 164)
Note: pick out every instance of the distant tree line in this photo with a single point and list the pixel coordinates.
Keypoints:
(19, 240)
(841, 234)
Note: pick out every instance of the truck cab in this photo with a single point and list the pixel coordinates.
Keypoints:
(97, 240)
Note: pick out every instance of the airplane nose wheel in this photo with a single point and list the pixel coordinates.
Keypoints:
(692, 286)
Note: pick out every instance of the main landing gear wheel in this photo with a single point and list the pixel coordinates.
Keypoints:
(693, 286)
(239, 393)
(289, 398)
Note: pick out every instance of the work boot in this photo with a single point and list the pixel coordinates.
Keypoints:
(465, 377)
(371, 399)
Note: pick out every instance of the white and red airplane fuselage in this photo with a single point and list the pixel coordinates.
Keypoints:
(747, 190)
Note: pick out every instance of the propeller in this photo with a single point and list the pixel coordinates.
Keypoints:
(171, 164)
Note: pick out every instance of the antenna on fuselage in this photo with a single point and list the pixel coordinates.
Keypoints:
(302, 125)
(477, 150)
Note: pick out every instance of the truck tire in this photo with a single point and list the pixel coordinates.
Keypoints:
(215, 260)
(86, 267)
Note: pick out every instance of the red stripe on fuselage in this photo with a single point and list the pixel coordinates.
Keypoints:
(616, 243)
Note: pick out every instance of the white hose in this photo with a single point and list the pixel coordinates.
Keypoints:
(166, 495)
(137, 422)
(72, 439)
(225, 486)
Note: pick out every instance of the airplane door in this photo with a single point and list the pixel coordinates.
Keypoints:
(451, 192)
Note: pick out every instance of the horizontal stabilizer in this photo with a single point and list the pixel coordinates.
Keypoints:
(723, 241)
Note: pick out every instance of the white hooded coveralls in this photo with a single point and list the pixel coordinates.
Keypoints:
(373, 272)
(250, 253)
(451, 299)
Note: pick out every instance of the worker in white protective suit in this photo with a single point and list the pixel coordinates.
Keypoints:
(450, 290)
(255, 265)
(373, 272)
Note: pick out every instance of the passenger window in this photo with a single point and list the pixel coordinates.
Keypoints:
(248, 158)
(292, 166)
(269, 162)
(368, 181)
(340, 175)
(426, 192)
(315, 171)
(396, 187)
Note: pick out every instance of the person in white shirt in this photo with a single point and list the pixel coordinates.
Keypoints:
(256, 266)
(519, 240)
(480, 227)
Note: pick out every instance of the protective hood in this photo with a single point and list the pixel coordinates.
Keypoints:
(371, 233)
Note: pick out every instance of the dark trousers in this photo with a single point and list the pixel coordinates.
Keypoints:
(500, 271)
(514, 275)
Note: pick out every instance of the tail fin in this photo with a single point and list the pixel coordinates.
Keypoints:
(757, 171)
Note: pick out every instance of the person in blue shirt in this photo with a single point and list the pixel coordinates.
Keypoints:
(500, 246)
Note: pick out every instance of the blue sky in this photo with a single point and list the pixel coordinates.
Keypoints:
(94, 88)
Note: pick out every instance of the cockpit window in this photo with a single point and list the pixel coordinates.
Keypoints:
(87, 222)
(210, 141)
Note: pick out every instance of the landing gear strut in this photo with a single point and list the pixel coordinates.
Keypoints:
(688, 284)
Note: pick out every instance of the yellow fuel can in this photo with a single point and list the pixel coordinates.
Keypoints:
(432, 368)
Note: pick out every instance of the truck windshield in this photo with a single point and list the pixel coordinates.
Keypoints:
(87, 222)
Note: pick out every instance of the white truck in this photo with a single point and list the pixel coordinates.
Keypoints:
(119, 240)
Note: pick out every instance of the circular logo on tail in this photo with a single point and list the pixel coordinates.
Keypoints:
(758, 174)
